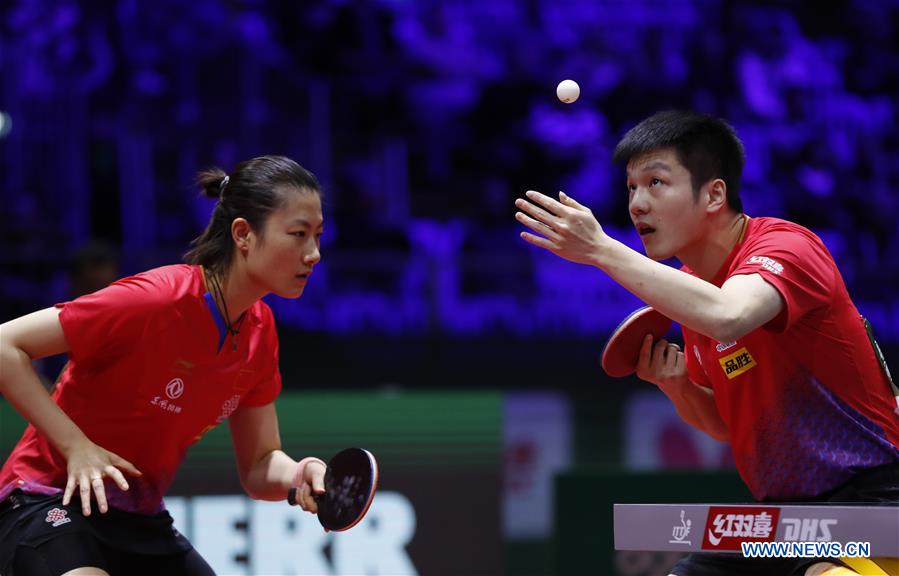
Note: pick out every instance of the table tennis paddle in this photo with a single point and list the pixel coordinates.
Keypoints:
(351, 480)
(622, 350)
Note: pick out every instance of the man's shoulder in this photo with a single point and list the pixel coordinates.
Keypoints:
(767, 224)
(760, 229)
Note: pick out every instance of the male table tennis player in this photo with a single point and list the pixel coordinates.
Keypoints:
(777, 359)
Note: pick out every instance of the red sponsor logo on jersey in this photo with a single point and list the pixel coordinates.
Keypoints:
(175, 388)
(727, 526)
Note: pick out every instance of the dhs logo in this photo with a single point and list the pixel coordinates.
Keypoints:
(808, 529)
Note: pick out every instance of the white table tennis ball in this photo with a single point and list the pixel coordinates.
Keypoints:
(568, 91)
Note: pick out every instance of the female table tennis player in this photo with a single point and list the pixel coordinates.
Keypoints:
(156, 361)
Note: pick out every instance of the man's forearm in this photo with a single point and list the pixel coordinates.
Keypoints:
(685, 299)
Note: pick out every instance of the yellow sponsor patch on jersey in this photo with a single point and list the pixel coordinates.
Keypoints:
(736, 363)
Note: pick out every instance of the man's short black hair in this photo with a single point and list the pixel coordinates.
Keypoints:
(707, 146)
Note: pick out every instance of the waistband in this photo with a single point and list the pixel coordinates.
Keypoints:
(17, 499)
(878, 485)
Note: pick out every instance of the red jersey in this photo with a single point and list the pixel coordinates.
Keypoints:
(805, 399)
(147, 377)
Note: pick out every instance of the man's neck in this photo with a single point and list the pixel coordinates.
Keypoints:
(706, 258)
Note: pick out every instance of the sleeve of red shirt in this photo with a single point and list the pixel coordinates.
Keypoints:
(798, 265)
(268, 386)
(110, 322)
(694, 369)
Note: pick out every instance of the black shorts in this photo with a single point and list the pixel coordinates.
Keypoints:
(41, 537)
(877, 486)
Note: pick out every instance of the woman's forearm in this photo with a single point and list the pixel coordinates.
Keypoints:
(22, 388)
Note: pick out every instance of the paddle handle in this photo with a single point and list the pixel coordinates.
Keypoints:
(298, 478)
(292, 497)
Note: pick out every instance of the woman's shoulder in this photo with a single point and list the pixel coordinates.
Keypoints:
(260, 314)
(163, 285)
(174, 275)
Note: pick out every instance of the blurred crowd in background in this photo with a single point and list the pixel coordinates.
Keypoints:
(424, 120)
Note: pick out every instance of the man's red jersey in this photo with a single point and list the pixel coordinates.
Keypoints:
(806, 402)
(148, 375)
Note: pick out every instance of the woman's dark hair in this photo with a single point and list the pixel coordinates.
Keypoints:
(251, 191)
(708, 147)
